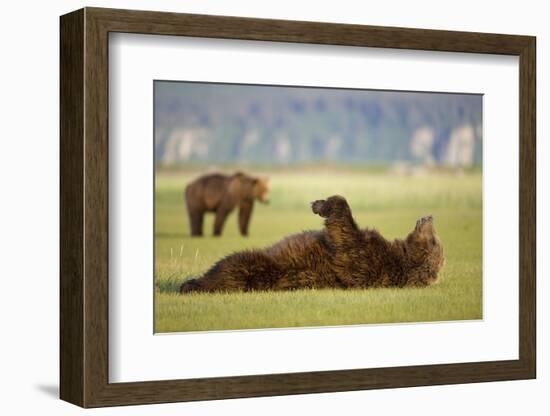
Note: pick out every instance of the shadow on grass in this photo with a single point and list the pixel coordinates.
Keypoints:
(171, 284)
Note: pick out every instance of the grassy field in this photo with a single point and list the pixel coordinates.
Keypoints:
(388, 202)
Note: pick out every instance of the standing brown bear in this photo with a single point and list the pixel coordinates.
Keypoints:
(340, 256)
(220, 194)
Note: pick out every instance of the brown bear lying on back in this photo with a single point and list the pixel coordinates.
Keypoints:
(340, 256)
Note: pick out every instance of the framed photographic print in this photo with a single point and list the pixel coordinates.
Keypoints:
(255, 207)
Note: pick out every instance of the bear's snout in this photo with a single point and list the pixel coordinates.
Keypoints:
(428, 219)
(317, 206)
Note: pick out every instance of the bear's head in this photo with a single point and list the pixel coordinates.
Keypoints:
(425, 251)
(261, 189)
(251, 187)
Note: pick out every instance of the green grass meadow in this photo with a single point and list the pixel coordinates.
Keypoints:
(390, 203)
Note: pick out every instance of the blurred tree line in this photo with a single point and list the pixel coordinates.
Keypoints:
(229, 123)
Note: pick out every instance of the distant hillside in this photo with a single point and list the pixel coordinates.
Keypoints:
(218, 123)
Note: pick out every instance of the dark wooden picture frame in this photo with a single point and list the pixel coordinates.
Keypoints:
(84, 207)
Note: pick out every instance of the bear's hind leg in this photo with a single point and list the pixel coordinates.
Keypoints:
(191, 285)
(240, 272)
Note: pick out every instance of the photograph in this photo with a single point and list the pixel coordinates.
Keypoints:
(293, 206)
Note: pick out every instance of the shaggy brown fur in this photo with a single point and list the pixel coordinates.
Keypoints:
(221, 194)
(340, 256)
